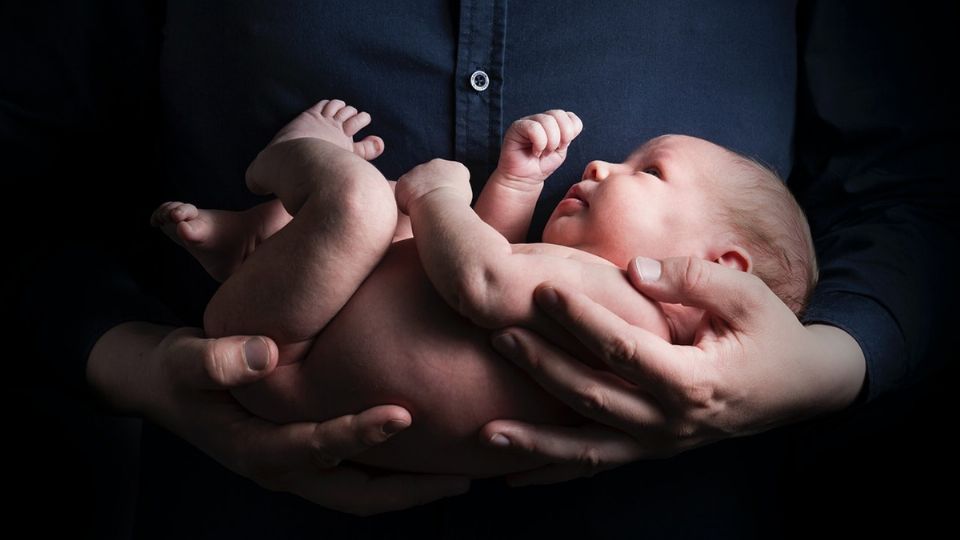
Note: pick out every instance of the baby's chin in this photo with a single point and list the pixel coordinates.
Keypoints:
(551, 235)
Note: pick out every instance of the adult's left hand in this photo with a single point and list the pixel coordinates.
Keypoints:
(753, 366)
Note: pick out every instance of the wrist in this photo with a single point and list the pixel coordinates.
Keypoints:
(442, 195)
(119, 368)
(518, 183)
(841, 367)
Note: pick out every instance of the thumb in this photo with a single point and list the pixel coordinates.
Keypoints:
(735, 296)
(222, 363)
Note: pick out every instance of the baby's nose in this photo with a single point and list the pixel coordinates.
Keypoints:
(596, 170)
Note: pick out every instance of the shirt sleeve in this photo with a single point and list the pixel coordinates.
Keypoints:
(75, 295)
(874, 131)
(77, 143)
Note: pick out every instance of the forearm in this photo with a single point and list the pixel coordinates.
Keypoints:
(462, 255)
(507, 204)
(839, 373)
(884, 294)
(873, 173)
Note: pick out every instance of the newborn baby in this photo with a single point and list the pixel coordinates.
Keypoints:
(367, 312)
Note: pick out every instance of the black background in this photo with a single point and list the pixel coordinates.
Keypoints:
(71, 469)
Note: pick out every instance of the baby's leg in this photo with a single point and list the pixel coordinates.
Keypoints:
(344, 219)
(219, 239)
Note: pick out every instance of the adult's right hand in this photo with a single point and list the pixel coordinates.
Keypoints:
(179, 379)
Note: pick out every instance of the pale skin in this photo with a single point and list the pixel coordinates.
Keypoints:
(179, 379)
(438, 192)
(184, 371)
(334, 258)
(750, 367)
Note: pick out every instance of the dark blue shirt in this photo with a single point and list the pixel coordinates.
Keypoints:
(732, 74)
(201, 87)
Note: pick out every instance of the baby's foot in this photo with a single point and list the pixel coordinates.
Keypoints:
(336, 122)
(220, 240)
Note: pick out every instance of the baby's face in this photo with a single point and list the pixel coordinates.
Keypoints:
(655, 204)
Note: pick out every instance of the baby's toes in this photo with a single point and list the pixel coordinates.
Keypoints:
(195, 230)
(159, 216)
(172, 212)
(345, 113)
(369, 148)
(332, 107)
(316, 110)
(183, 212)
(355, 123)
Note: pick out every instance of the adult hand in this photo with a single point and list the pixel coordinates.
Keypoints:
(752, 366)
(179, 379)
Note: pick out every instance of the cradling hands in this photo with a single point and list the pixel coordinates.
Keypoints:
(752, 366)
(181, 379)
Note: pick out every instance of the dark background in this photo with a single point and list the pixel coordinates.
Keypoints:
(73, 469)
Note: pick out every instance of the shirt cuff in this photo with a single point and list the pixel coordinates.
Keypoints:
(67, 314)
(875, 330)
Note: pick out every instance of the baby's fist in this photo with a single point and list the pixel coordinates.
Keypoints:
(535, 146)
(452, 177)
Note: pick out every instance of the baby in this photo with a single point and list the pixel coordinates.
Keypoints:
(366, 311)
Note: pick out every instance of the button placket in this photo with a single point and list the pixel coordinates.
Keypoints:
(478, 87)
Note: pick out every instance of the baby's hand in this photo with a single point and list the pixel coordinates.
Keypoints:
(535, 146)
(435, 176)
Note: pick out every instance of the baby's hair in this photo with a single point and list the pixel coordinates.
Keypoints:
(767, 218)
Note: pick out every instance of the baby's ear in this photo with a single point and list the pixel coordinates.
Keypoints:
(736, 257)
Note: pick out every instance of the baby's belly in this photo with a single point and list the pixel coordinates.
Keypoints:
(397, 342)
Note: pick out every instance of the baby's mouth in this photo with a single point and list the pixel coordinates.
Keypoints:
(576, 192)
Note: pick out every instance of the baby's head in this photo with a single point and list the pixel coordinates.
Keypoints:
(683, 196)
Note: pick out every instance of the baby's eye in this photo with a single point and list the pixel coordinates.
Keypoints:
(654, 171)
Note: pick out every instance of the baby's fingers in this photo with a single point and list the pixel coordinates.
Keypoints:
(569, 125)
(577, 124)
(534, 132)
(552, 128)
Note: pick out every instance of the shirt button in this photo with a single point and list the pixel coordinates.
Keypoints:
(479, 80)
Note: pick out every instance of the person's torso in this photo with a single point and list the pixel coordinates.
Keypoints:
(233, 74)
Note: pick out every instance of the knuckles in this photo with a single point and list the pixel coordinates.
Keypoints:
(694, 276)
(590, 461)
(321, 459)
(699, 388)
(620, 350)
(216, 361)
(593, 398)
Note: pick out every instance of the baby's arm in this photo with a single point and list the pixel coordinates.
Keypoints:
(533, 147)
(487, 279)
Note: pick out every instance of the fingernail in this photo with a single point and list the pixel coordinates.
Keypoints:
(393, 426)
(256, 353)
(647, 269)
(505, 343)
(499, 439)
(547, 297)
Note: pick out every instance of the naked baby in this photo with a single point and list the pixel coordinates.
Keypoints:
(380, 296)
